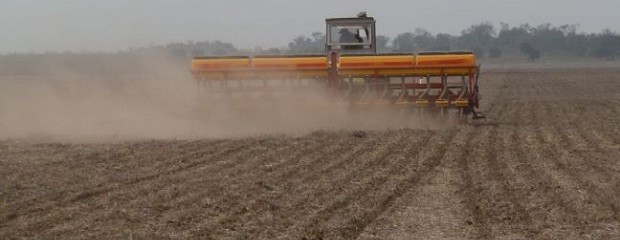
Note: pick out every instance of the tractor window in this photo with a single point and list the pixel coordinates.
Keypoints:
(363, 34)
(350, 35)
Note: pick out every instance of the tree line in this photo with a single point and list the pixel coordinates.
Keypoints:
(487, 41)
(524, 41)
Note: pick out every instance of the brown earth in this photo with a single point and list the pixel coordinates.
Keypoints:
(544, 164)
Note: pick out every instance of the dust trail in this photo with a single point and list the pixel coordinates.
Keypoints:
(161, 101)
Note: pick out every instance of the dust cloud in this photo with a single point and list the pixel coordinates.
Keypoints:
(163, 102)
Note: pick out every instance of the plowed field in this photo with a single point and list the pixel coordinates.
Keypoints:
(545, 164)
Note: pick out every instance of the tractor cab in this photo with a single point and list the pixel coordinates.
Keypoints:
(351, 35)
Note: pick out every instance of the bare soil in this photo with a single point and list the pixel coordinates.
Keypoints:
(544, 164)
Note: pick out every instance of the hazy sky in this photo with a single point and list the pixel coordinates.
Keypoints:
(111, 25)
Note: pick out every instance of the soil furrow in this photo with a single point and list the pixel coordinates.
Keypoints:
(603, 198)
(41, 222)
(535, 187)
(512, 210)
(552, 144)
(316, 226)
(188, 191)
(374, 208)
(244, 166)
(65, 193)
(252, 179)
(559, 212)
(469, 189)
(282, 191)
(72, 190)
(471, 170)
(299, 198)
(578, 162)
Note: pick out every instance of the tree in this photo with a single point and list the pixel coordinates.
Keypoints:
(443, 42)
(510, 37)
(528, 49)
(607, 45)
(419, 40)
(382, 43)
(304, 44)
(222, 48)
(403, 42)
(423, 40)
(577, 44)
(495, 52)
(549, 38)
(478, 36)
